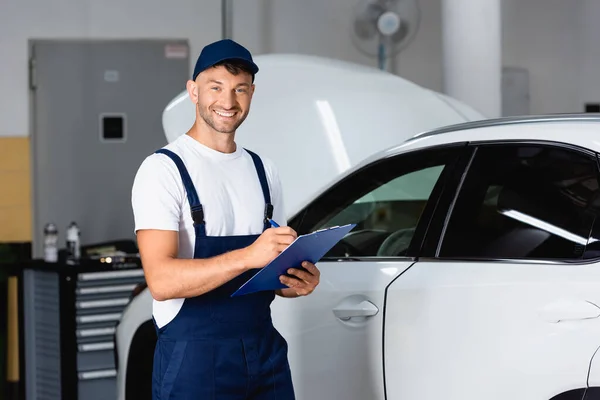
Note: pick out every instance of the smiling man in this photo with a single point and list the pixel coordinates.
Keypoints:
(203, 209)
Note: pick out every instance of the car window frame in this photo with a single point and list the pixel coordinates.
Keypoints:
(299, 223)
(435, 236)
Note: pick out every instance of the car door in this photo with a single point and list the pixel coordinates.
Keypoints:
(504, 303)
(335, 334)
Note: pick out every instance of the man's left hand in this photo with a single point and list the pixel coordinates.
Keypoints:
(301, 283)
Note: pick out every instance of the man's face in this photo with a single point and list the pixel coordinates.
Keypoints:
(224, 98)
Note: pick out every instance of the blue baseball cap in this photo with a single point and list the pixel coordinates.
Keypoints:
(222, 50)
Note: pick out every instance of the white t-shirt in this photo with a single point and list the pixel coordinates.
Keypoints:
(229, 191)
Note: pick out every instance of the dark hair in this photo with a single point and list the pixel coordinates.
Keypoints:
(235, 67)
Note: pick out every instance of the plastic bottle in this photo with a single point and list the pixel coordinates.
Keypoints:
(50, 243)
(73, 242)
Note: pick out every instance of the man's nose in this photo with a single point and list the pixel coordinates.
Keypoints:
(228, 99)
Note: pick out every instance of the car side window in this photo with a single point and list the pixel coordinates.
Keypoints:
(385, 199)
(524, 201)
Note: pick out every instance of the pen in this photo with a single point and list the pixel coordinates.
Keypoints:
(273, 223)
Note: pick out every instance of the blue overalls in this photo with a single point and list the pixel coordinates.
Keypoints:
(219, 347)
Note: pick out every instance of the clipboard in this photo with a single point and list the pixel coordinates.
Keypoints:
(309, 247)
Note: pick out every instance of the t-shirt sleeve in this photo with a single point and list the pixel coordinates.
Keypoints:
(276, 188)
(156, 195)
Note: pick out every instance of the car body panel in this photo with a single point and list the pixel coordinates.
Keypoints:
(321, 344)
(504, 330)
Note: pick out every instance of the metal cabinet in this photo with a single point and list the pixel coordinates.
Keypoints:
(68, 319)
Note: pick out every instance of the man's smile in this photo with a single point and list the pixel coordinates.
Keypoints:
(225, 114)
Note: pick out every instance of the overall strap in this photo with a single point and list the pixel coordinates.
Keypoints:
(262, 177)
(192, 195)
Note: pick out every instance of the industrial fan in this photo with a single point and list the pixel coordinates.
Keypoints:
(383, 28)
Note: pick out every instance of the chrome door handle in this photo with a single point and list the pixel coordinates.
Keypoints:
(351, 308)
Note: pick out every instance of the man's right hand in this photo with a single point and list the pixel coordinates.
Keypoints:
(268, 246)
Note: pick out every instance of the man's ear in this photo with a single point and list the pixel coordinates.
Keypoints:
(192, 89)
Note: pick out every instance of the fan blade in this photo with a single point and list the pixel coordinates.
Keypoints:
(402, 31)
(365, 23)
(365, 29)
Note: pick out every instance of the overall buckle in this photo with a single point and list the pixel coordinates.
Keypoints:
(198, 214)
(268, 213)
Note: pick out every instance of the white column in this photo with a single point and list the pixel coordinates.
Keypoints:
(589, 54)
(472, 53)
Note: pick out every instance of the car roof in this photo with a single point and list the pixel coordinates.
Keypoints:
(574, 129)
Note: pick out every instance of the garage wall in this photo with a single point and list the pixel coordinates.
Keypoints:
(545, 36)
(15, 193)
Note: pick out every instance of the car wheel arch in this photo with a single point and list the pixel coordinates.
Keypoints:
(140, 357)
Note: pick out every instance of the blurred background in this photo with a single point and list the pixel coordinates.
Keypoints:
(112, 66)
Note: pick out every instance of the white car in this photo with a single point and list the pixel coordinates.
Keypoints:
(473, 273)
(316, 119)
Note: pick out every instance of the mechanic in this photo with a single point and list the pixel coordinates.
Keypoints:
(203, 208)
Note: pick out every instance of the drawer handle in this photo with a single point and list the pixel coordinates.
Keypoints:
(96, 276)
(95, 332)
(87, 319)
(106, 289)
(103, 303)
(84, 348)
(101, 374)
